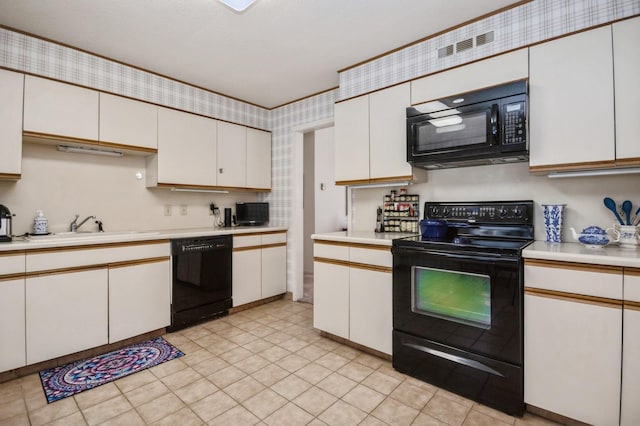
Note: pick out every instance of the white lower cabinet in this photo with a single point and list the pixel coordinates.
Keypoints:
(12, 321)
(274, 269)
(572, 358)
(573, 341)
(331, 298)
(630, 406)
(81, 299)
(139, 298)
(352, 293)
(246, 280)
(66, 313)
(370, 310)
(259, 267)
(12, 325)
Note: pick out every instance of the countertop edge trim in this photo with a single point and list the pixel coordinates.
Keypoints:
(577, 266)
(355, 245)
(574, 297)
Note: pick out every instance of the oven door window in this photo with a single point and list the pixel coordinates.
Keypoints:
(456, 296)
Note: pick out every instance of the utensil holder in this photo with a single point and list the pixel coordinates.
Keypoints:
(628, 236)
(553, 214)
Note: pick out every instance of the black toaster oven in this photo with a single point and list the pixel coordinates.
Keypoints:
(252, 214)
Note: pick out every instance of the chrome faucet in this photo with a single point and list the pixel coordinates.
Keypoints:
(73, 227)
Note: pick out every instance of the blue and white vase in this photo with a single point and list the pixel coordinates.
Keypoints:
(553, 222)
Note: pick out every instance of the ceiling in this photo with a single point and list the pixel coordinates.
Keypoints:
(274, 52)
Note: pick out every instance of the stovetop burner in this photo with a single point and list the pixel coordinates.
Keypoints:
(494, 226)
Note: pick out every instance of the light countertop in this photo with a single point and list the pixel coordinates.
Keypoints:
(362, 237)
(91, 238)
(575, 252)
(565, 252)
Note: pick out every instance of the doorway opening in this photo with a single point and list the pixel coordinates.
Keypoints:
(323, 203)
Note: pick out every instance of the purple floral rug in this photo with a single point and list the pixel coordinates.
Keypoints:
(70, 379)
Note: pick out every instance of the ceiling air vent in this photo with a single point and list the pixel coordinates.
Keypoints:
(485, 38)
(464, 45)
(467, 44)
(443, 52)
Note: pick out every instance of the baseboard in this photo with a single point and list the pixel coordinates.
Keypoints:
(354, 345)
(77, 356)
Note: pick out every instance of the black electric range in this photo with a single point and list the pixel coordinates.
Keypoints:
(458, 301)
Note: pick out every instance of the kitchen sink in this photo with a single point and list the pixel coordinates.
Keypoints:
(80, 235)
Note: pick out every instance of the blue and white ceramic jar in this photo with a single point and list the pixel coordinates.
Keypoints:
(553, 214)
(40, 224)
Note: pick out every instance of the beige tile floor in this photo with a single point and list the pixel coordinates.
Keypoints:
(266, 365)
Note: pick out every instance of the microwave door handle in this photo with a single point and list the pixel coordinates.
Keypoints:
(494, 124)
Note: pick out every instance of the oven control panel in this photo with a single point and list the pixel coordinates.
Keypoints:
(509, 212)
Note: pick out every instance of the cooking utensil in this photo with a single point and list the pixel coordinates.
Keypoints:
(626, 208)
(636, 218)
(611, 205)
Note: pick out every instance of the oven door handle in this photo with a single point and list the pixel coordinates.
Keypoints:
(457, 359)
(496, 258)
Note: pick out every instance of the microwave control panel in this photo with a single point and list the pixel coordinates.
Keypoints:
(515, 123)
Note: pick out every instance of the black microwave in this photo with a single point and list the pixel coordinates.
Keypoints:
(482, 127)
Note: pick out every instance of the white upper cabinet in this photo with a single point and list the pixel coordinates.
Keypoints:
(626, 66)
(572, 102)
(352, 139)
(59, 109)
(388, 132)
(371, 138)
(186, 150)
(232, 155)
(258, 159)
(11, 87)
(128, 122)
(478, 75)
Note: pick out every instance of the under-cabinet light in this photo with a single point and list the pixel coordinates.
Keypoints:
(591, 173)
(238, 5)
(90, 150)
(214, 191)
(380, 185)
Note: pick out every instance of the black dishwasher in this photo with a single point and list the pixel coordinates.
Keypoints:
(201, 279)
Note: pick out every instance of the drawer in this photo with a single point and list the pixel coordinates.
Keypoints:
(589, 280)
(76, 256)
(331, 251)
(246, 241)
(371, 256)
(280, 237)
(632, 285)
(11, 263)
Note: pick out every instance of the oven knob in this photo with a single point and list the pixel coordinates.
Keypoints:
(503, 212)
(434, 211)
(445, 211)
(517, 212)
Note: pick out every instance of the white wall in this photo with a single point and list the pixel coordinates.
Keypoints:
(63, 184)
(331, 201)
(583, 196)
(309, 199)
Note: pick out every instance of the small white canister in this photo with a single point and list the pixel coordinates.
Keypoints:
(40, 223)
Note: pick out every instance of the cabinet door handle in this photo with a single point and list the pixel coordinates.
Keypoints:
(221, 170)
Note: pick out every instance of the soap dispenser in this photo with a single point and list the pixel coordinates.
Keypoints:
(40, 224)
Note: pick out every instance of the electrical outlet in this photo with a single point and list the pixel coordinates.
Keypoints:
(183, 210)
(168, 210)
(212, 208)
